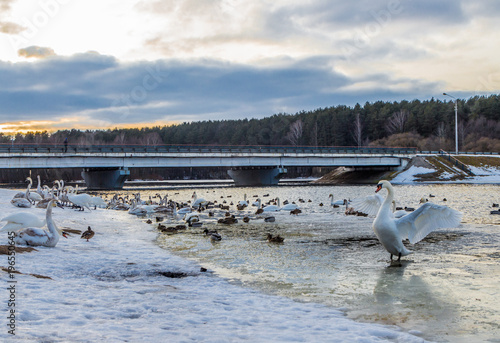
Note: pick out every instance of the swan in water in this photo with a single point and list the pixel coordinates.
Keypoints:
(244, 202)
(198, 201)
(21, 220)
(290, 207)
(335, 203)
(39, 237)
(269, 208)
(390, 231)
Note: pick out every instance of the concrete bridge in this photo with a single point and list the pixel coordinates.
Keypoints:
(107, 166)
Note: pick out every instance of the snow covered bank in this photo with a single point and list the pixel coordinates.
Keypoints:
(433, 170)
(121, 287)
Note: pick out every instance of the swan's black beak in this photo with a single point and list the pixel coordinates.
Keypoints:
(379, 187)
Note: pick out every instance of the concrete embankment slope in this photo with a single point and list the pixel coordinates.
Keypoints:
(426, 168)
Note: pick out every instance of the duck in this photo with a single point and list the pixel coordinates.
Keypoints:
(275, 239)
(228, 220)
(270, 219)
(39, 237)
(21, 220)
(213, 234)
(88, 234)
(296, 211)
(414, 226)
(167, 229)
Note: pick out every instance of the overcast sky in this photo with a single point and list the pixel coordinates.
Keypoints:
(129, 63)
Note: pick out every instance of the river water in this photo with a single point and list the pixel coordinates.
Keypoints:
(448, 290)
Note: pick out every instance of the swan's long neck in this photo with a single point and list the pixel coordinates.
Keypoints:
(53, 233)
(278, 200)
(389, 199)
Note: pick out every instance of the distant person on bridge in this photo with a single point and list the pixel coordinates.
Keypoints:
(66, 144)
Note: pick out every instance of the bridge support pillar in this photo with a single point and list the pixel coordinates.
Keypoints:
(105, 178)
(256, 176)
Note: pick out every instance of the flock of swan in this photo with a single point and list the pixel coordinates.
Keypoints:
(391, 227)
(28, 227)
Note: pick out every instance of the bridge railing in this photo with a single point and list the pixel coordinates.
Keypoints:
(51, 148)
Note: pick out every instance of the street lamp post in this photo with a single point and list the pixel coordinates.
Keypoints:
(456, 121)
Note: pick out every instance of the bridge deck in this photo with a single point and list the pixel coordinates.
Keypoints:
(113, 156)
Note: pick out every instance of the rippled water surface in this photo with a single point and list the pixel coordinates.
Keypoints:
(447, 290)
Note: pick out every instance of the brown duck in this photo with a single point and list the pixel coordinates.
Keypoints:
(88, 234)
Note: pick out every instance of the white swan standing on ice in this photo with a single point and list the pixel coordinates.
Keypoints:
(81, 200)
(39, 237)
(390, 231)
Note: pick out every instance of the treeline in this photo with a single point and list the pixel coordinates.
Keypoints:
(427, 125)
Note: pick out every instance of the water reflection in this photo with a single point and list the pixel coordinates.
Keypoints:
(405, 299)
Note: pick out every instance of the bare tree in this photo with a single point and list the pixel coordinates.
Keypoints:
(357, 133)
(295, 132)
(441, 134)
(152, 138)
(120, 138)
(396, 123)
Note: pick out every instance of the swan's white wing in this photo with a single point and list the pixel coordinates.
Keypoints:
(369, 204)
(11, 227)
(427, 218)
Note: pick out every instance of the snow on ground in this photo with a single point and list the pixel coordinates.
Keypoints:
(408, 176)
(119, 287)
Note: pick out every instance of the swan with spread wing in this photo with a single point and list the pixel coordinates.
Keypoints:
(414, 226)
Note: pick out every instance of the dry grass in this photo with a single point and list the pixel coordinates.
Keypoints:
(4, 249)
(480, 161)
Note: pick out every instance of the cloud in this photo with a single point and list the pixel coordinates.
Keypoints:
(36, 51)
(99, 91)
(224, 59)
(7, 26)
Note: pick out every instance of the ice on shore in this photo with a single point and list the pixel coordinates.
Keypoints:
(121, 287)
